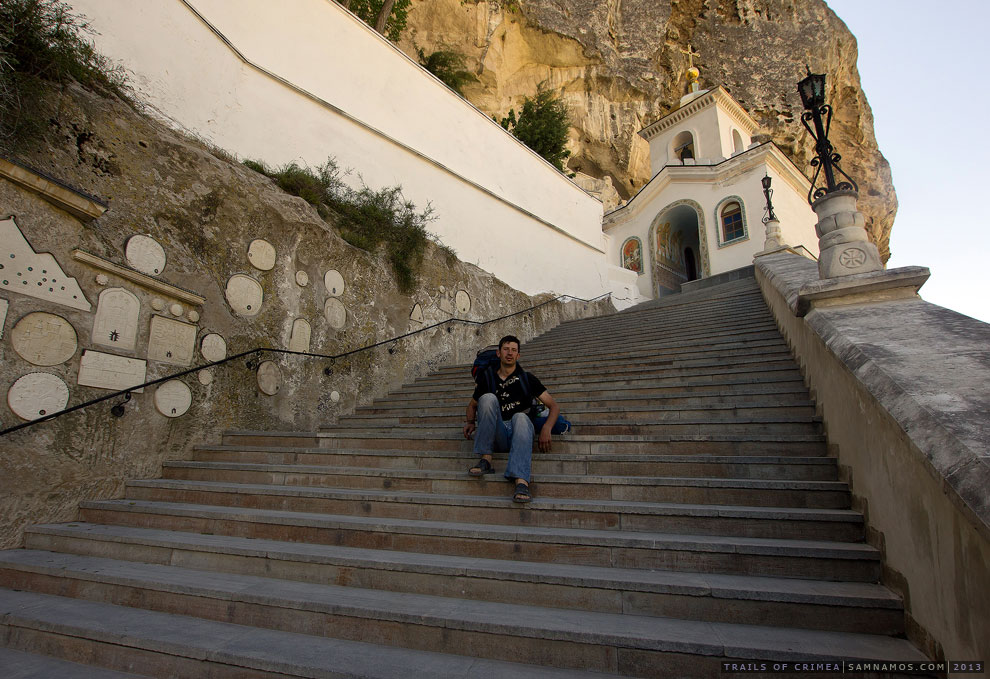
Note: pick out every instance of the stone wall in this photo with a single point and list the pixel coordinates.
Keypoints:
(902, 387)
(214, 221)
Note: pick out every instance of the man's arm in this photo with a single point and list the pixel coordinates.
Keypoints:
(470, 418)
(548, 401)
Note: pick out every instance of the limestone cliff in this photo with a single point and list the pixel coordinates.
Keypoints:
(620, 66)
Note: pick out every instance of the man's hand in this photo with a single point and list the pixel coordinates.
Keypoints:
(469, 429)
(545, 437)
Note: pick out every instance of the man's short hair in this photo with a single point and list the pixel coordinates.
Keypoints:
(509, 338)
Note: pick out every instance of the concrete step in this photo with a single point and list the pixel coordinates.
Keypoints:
(785, 602)
(623, 549)
(699, 490)
(23, 665)
(755, 467)
(493, 507)
(721, 312)
(170, 645)
(404, 619)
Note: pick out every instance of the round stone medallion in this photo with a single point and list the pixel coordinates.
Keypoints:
(213, 347)
(176, 309)
(145, 254)
(173, 398)
(302, 279)
(334, 282)
(37, 394)
(244, 295)
(336, 313)
(44, 339)
(158, 304)
(269, 378)
(462, 301)
(193, 316)
(205, 377)
(334, 396)
(261, 254)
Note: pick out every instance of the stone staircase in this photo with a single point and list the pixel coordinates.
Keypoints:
(692, 517)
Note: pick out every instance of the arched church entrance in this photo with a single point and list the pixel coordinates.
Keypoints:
(675, 240)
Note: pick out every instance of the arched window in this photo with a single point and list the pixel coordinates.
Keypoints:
(737, 142)
(731, 220)
(684, 145)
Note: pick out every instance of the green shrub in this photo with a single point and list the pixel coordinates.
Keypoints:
(42, 42)
(542, 125)
(448, 66)
(368, 10)
(366, 218)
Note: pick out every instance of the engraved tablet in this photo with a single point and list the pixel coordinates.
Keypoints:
(3, 315)
(173, 398)
(37, 394)
(244, 295)
(44, 339)
(213, 347)
(269, 378)
(334, 282)
(171, 341)
(35, 274)
(301, 331)
(145, 254)
(302, 279)
(108, 371)
(116, 322)
(336, 313)
(462, 301)
(445, 305)
(417, 313)
(261, 254)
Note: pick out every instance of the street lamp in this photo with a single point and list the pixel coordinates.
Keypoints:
(812, 91)
(767, 191)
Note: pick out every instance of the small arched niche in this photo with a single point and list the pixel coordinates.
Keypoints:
(737, 142)
(683, 146)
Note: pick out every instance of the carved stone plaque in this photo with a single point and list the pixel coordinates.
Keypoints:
(462, 301)
(334, 396)
(261, 254)
(417, 313)
(116, 322)
(35, 274)
(44, 339)
(193, 316)
(213, 347)
(145, 254)
(3, 315)
(244, 295)
(445, 305)
(171, 341)
(173, 398)
(301, 332)
(37, 394)
(269, 378)
(302, 279)
(205, 377)
(334, 282)
(108, 371)
(176, 309)
(336, 313)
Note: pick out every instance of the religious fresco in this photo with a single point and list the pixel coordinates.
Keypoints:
(670, 248)
(632, 255)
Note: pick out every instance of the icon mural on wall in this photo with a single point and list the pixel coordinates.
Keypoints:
(670, 248)
(116, 322)
(632, 255)
(35, 274)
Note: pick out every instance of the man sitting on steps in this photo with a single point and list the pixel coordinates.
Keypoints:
(501, 402)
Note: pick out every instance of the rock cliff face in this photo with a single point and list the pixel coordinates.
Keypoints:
(620, 65)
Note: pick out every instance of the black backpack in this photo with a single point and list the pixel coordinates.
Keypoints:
(484, 367)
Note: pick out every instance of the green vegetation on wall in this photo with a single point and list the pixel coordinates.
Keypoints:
(542, 125)
(366, 218)
(448, 66)
(42, 42)
(369, 10)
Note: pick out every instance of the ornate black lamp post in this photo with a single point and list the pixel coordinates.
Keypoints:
(812, 91)
(768, 192)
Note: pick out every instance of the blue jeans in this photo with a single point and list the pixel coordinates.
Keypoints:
(515, 435)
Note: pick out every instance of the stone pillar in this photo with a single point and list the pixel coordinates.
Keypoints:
(844, 247)
(774, 239)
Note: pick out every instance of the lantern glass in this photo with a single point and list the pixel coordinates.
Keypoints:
(766, 182)
(812, 91)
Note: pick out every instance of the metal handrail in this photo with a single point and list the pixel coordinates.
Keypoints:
(126, 393)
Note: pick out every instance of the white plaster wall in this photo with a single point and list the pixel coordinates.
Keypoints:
(499, 205)
(797, 219)
(726, 124)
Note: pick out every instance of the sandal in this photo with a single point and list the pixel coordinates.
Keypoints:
(521, 494)
(483, 467)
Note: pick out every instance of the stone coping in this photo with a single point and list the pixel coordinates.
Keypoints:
(927, 366)
(59, 194)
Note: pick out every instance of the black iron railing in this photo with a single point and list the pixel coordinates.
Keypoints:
(254, 360)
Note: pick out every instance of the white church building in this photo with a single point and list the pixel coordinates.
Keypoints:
(701, 213)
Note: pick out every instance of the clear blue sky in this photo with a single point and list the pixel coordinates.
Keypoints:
(926, 74)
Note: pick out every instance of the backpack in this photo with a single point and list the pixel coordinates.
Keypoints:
(484, 367)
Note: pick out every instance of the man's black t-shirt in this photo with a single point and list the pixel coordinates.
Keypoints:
(510, 392)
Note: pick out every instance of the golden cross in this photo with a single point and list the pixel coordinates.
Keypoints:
(691, 55)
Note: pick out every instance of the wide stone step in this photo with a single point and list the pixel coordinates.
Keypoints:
(170, 645)
(755, 467)
(721, 315)
(494, 507)
(624, 549)
(713, 490)
(784, 602)
(23, 665)
(412, 620)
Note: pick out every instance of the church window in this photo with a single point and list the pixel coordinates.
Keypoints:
(684, 146)
(732, 221)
